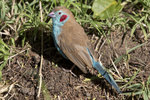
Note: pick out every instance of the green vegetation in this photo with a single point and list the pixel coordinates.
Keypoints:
(17, 18)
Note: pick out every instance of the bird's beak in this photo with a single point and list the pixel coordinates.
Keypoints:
(52, 14)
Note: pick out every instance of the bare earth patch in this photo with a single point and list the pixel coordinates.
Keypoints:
(22, 70)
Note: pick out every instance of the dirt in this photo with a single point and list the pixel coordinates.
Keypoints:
(23, 69)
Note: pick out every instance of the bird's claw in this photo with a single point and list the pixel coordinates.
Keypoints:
(70, 71)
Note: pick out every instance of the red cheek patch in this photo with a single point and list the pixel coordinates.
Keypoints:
(63, 17)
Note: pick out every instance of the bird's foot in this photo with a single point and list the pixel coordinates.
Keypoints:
(70, 70)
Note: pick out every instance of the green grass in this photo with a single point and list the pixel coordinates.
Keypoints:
(17, 18)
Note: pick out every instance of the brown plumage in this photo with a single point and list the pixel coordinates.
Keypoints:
(77, 42)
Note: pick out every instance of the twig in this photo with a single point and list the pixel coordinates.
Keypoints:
(40, 70)
(98, 44)
(5, 89)
(12, 9)
(15, 55)
(102, 45)
(115, 67)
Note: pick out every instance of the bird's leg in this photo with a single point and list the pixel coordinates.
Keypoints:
(70, 70)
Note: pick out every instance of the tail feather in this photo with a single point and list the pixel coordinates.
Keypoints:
(98, 66)
(106, 75)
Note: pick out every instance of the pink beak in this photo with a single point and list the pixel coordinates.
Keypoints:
(52, 14)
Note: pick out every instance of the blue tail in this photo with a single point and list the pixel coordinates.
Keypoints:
(105, 74)
(101, 70)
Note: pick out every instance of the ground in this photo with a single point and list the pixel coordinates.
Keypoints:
(22, 71)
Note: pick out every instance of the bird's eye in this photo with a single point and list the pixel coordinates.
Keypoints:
(59, 13)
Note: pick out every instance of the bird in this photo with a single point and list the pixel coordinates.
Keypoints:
(72, 43)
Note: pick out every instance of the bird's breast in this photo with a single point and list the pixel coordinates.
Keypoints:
(56, 33)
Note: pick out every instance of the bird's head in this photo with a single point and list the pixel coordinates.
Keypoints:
(60, 15)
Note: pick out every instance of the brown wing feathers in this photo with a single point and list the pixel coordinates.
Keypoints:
(74, 42)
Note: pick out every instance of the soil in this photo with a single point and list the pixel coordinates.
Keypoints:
(22, 71)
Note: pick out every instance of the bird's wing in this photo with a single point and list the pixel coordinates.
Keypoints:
(74, 43)
(77, 54)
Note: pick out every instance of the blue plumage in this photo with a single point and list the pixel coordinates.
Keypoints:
(98, 66)
(57, 30)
